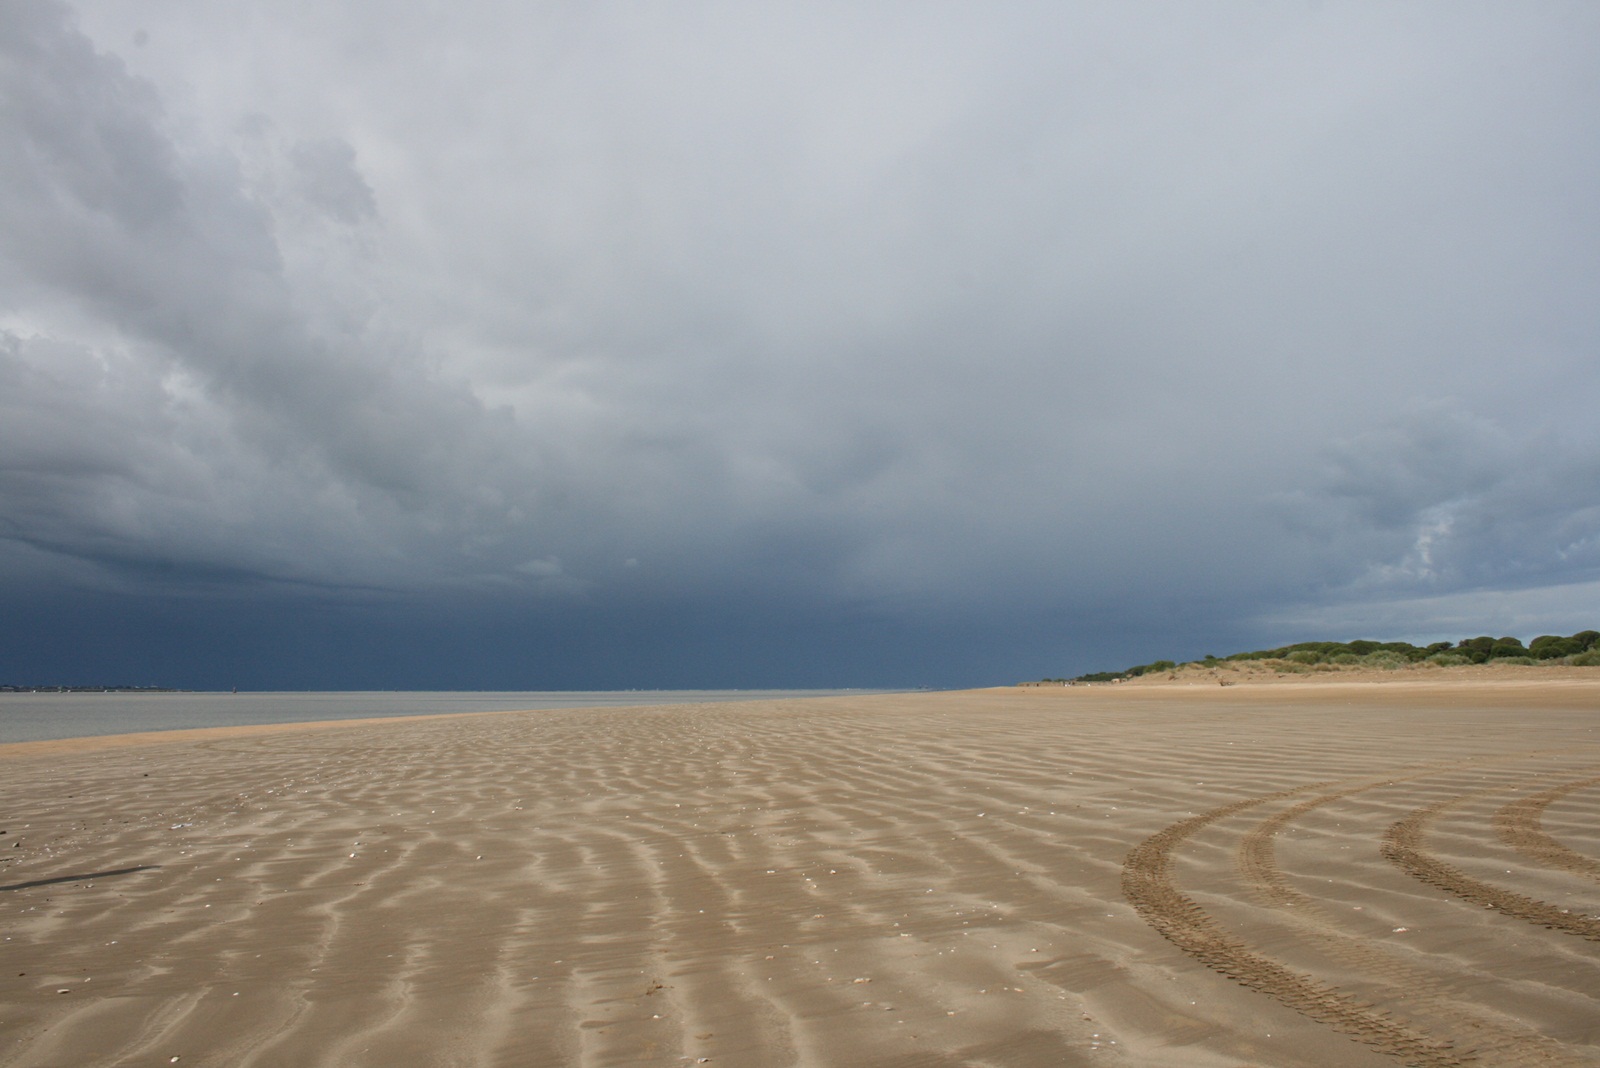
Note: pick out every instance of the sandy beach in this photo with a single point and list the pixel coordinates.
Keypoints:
(1348, 872)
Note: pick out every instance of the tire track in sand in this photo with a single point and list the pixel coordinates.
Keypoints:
(1150, 886)
(1520, 826)
(1404, 846)
(1509, 1046)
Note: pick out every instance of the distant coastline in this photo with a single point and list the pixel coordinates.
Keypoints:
(10, 688)
(1553, 650)
(57, 713)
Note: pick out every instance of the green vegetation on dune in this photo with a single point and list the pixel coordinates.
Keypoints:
(1581, 649)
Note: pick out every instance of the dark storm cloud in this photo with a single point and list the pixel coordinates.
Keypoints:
(1119, 319)
(1446, 502)
(329, 180)
(226, 409)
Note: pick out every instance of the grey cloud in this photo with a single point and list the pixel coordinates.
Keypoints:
(51, 79)
(200, 286)
(1525, 612)
(923, 313)
(1449, 502)
(1439, 457)
(329, 179)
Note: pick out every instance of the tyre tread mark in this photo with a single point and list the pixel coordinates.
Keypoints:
(1520, 826)
(1404, 846)
(1258, 865)
(1149, 885)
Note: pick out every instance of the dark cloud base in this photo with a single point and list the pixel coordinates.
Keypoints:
(876, 347)
(275, 644)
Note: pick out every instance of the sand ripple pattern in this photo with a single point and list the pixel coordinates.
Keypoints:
(1433, 1030)
(1148, 882)
(1404, 845)
(1520, 824)
(996, 878)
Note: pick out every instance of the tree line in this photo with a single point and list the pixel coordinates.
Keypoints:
(1581, 649)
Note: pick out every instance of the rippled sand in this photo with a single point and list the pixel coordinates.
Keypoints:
(1324, 874)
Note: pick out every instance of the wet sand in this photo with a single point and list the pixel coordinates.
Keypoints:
(1331, 873)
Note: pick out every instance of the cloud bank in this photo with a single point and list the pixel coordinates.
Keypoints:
(568, 344)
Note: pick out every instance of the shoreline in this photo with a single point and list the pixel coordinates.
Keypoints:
(53, 716)
(1240, 681)
(1016, 875)
(94, 743)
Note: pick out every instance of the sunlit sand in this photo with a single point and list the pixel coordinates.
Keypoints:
(1338, 873)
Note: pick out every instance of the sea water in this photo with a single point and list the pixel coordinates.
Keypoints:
(27, 717)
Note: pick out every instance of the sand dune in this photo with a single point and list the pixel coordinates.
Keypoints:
(1324, 874)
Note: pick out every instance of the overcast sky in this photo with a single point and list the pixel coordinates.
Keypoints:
(511, 345)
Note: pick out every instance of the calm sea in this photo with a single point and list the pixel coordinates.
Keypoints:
(27, 717)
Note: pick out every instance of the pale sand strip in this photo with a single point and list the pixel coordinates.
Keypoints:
(934, 879)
